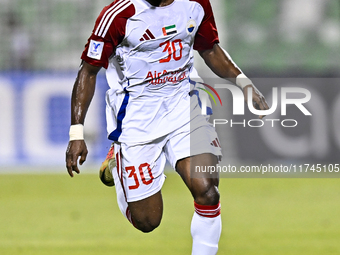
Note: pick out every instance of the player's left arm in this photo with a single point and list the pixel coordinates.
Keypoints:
(223, 66)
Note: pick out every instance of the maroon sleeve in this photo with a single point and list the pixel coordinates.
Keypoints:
(108, 32)
(206, 35)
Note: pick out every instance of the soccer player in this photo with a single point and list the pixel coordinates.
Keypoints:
(146, 47)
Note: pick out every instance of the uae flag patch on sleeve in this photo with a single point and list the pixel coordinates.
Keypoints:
(169, 30)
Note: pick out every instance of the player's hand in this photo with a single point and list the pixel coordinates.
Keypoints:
(75, 149)
(259, 101)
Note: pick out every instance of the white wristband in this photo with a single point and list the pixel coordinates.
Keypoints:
(76, 132)
(243, 81)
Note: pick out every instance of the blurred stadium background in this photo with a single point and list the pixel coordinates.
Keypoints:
(40, 45)
(42, 40)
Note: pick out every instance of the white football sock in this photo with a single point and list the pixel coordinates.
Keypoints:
(206, 229)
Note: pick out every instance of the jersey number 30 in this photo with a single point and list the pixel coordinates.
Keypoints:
(171, 48)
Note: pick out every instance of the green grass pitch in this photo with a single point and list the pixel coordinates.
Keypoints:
(54, 214)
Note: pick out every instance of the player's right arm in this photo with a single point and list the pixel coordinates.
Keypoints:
(106, 35)
(82, 94)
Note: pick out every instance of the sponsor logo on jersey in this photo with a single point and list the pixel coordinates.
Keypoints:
(95, 49)
(169, 30)
(147, 36)
(156, 78)
(191, 25)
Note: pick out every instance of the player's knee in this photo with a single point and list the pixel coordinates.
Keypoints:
(207, 196)
(146, 225)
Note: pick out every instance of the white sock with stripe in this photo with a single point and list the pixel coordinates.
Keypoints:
(206, 229)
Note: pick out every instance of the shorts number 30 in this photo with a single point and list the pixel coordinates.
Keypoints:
(131, 170)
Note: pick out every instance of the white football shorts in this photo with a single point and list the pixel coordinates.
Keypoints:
(140, 167)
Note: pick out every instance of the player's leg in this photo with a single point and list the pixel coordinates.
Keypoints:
(206, 223)
(105, 171)
(147, 214)
(189, 147)
(138, 179)
(202, 185)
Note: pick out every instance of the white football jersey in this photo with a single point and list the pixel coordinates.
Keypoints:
(148, 54)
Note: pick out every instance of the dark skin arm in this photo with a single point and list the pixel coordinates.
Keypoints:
(222, 66)
(82, 94)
